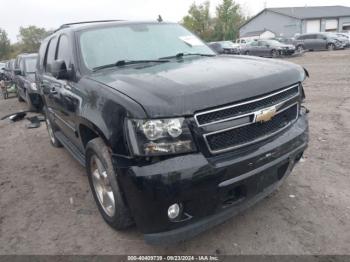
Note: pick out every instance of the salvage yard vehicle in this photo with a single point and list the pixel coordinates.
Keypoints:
(25, 81)
(173, 137)
(9, 69)
(319, 41)
(267, 48)
(225, 47)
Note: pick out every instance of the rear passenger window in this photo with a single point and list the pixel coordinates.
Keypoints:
(312, 36)
(51, 52)
(63, 52)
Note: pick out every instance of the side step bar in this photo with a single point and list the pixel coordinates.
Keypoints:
(71, 147)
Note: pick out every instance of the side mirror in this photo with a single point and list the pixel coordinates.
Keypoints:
(18, 72)
(58, 69)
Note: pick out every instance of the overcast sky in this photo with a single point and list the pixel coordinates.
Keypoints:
(52, 13)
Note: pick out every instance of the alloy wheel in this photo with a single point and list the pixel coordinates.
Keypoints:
(50, 130)
(102, 186)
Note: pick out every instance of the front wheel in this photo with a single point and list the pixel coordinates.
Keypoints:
(274, 53)
(51, 130)
(104, 185)
(331, 47)
(20, 99)
(300, 48)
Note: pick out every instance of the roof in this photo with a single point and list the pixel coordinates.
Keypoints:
(307, 12)
(255, 33)
(102, 23)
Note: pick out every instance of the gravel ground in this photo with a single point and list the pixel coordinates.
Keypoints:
(46, 206)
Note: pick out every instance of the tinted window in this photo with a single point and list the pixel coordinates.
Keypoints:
(51, 52)
(254, 43)
(30, 65)
(21, 65)
(63, 51)
(41, 55)
(312, 37)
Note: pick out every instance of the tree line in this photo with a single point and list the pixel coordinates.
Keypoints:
(223, 26)
(29, 40)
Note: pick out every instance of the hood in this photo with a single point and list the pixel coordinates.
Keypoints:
(180, 88)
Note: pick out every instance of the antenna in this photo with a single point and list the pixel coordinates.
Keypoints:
(265, 4)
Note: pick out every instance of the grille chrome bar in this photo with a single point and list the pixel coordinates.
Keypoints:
(243, 103)
(246, 124)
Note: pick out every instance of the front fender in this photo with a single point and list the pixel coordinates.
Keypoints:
(104, 111)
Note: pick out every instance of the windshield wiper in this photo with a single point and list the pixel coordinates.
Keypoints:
(179, 55)
(128, 62)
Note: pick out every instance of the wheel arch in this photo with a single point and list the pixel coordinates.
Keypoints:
(88, 131)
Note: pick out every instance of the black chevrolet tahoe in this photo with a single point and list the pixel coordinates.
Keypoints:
(27, 90)
(174, 137)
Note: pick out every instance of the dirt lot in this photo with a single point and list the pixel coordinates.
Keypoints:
(46, 206)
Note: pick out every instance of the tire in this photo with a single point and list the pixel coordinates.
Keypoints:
(274, 53)
(118, 217)
(51, 128)
(31, 107)
(20, 99)
(300, 48)
(246, 53)
(331, 47)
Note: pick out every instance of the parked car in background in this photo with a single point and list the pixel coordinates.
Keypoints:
(10, 69)
(2, 70)
(267, 48)
(225, 47)
(345, 38)
(318, 41)
(27, 89)
(173, 137)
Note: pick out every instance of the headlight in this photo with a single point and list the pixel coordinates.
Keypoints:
(160, 136)
(33, 86)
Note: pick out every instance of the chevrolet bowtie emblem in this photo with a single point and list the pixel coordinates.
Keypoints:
(266, 114)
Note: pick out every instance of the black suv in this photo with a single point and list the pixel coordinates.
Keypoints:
(27, 90)
(173, 137)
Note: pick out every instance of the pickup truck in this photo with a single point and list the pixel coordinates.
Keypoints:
(174, 137)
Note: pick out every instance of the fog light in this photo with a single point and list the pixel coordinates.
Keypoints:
(174, 211)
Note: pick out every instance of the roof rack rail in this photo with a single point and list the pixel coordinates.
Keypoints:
(85, 22)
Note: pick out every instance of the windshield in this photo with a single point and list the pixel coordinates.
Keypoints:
(30, 65)
(227, 44)
(108, 45)
(273, 42)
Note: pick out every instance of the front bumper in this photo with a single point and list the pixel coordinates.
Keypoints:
(210, 190)
(287, 51)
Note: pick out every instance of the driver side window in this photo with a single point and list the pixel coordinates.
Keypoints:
(50, 54)
(63, 50)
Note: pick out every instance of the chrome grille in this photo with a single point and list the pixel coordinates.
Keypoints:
(244, 123)
(230, 112)
(248, 134)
